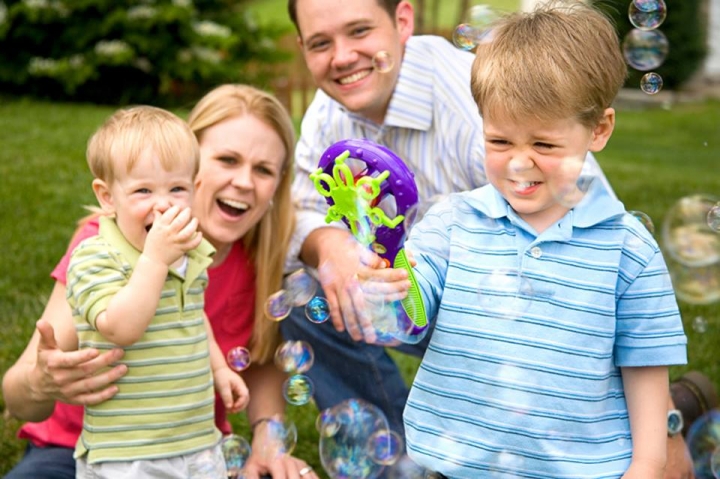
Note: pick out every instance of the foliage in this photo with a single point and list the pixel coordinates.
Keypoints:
(685, 29)
(130, 51)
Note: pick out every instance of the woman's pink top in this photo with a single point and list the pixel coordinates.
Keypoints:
(229, 304)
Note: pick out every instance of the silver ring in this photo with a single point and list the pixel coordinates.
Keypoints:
(305, 470)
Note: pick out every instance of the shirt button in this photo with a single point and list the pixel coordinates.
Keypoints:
(536, 252)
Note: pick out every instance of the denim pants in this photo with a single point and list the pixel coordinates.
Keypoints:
(44, 463)
(345, 369)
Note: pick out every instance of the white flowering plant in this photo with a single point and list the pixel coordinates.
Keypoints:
(131, 51)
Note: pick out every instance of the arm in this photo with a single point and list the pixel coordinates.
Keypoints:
(646, 394)
(44, 373)
(228, 384)
(266, 402)
(679, 464)
(132, 308)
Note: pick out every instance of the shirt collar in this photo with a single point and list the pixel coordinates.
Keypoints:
(596, 206)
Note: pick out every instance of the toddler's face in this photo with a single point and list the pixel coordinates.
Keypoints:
(146, 190)
(535, 164)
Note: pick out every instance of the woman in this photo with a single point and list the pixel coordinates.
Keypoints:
(243, 205)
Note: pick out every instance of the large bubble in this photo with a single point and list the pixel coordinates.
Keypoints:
(236, 451)
(703, 441)
(687, 236)
(346, 430)
(645, 49)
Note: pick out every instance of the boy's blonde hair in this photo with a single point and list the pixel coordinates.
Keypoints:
(268, 241)
(120, 141)
(562, 60)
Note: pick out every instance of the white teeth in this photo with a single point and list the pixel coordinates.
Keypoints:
(526, 184)
(354, 77)
(235, 204)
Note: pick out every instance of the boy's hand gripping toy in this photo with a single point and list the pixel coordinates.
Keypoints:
(353, 198)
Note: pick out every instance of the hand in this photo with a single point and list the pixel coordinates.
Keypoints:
(173, 233)
(679, 464)
(283, 466)
(232, 389)
(76, 377)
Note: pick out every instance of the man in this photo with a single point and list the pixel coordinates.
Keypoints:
(422, 109)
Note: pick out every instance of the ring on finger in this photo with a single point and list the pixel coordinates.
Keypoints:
(305, 470)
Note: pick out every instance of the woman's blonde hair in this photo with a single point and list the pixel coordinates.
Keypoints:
(562, 60)
(267, 242)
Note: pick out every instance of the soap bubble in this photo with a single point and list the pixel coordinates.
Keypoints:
(278, 305)
(236, 451)
(294, 357)
(385, 447)
(649, 17)
(238, 358)
(651, 83)
(317, 310)
(298, 389)
(645, 50)
(344, 454)
(383, 62)
(703, 441)
(300, 286)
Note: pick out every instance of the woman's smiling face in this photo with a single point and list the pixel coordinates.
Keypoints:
(241, 164)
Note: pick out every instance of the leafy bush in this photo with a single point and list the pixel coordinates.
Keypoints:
(125, 51)
(685, 29)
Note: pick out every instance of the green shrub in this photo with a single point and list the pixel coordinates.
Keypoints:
(685, 29)
(125, 51)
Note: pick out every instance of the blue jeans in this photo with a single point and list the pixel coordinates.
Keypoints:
(346, 369)
(44, 463)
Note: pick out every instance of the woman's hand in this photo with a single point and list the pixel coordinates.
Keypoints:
(75, 377)
(283, 466)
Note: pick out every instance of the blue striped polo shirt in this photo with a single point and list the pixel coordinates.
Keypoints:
(522, 374)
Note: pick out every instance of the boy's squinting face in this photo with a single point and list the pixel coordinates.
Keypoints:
(339, 40)
(531, 162)
(135, 196)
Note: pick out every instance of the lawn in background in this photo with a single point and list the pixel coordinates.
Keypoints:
(654, 158)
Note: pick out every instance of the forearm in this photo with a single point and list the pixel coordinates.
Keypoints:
(322, 241)
(265, 385)
(131, 310)
(647, 397)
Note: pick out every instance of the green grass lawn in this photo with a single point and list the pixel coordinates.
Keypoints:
(654, 158)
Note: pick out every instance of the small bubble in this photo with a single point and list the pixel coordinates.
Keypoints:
(713, 218)
(699, 324)
(385, 447)
(651, 83)
(317, 310)
(278, 305)
(236, 450)
(645, 50)
(382, 62)
(238, 358)
(294, 356)
(649, 17)
(301, 287)
(465, 37)
(298, 389)
(644, 219)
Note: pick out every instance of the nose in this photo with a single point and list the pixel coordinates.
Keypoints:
(520, 161)
(162, 204)
(242, 179)
(345, 55)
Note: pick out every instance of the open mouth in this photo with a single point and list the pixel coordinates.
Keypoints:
(232, 207)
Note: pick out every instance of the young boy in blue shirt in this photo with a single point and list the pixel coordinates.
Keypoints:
(555, 318)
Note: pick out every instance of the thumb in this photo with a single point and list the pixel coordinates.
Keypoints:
(47, 335)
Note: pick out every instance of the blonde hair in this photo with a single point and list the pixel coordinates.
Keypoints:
(268, 241)
(562, 60)
(123, 137)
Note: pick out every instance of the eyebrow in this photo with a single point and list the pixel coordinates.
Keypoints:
(347, 26)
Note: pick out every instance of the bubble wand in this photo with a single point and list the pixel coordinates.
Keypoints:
(354, 199)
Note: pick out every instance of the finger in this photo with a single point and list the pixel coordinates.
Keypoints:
(86, 364)
(188, 229)
(47, 335)
(334, 309)
(182, 219)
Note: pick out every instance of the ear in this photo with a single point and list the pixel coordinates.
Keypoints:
(103, 195)
(603, 130)
(405, 20)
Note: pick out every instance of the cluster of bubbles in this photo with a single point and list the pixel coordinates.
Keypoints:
(692, 242)
(356, 441)
(703, 441)
(296, 358)
(645, 47)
